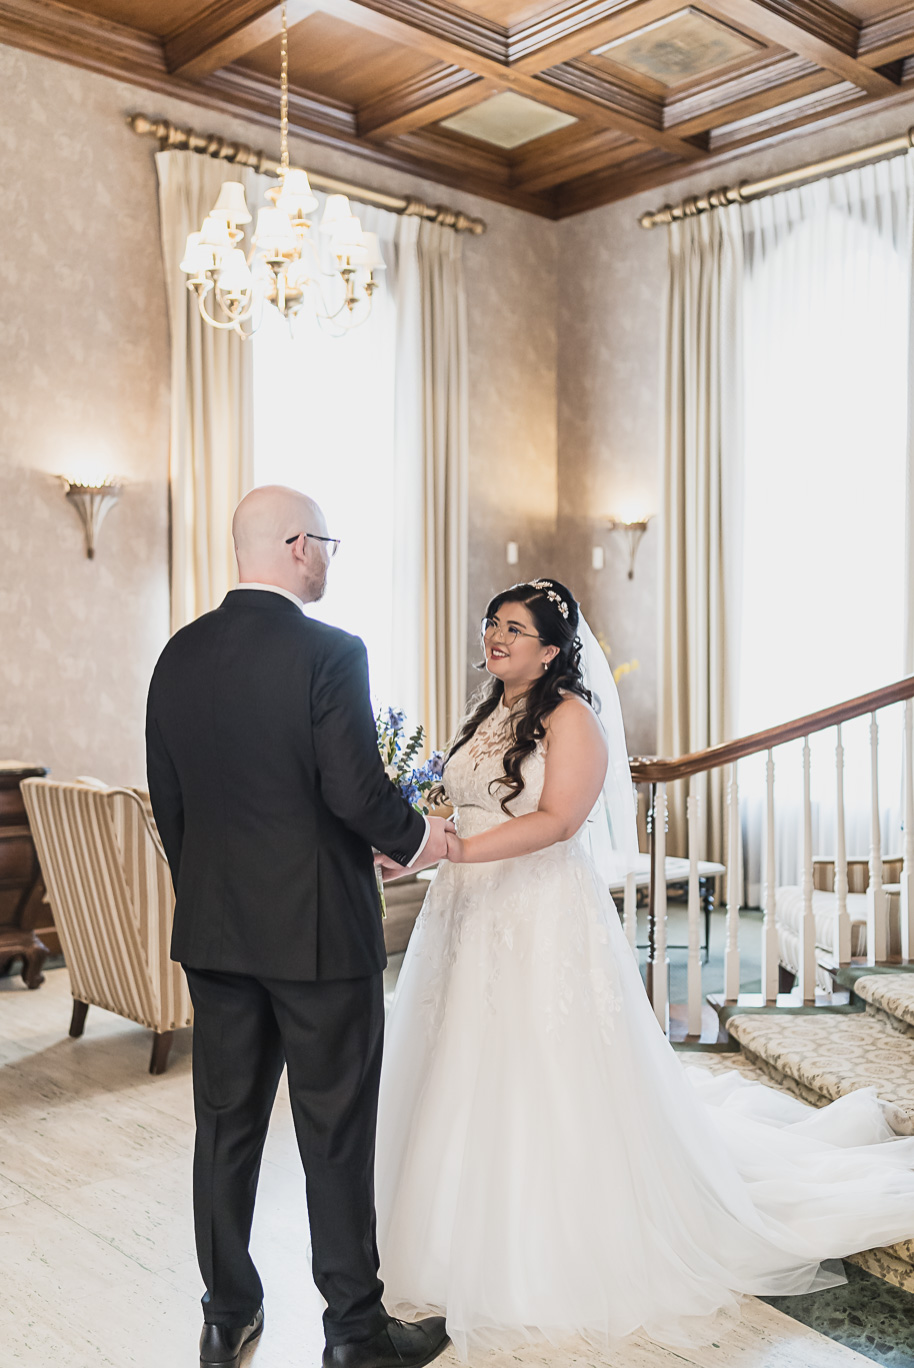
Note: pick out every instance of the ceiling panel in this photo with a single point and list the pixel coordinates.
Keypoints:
(680, 49)
(508, 121)
(341, 61)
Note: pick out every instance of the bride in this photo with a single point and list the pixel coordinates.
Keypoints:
(546, 1167)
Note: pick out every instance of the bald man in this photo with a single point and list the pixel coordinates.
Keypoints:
(269, 793)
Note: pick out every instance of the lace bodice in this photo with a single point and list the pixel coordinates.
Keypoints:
(470, 779)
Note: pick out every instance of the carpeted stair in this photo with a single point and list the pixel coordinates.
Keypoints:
(819, 1055)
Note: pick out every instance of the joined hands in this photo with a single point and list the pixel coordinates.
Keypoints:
(442, 838)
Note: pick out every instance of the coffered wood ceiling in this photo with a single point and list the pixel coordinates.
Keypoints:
(650, 89)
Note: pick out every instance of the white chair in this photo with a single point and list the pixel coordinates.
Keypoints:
(789, 907)
(110, 889)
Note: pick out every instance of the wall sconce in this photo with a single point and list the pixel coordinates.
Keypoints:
(92, 502)
(635, 530)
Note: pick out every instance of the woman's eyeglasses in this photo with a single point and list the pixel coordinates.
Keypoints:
(510, 633)
(332, 542)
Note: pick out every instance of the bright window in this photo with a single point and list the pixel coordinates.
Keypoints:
(324, 411)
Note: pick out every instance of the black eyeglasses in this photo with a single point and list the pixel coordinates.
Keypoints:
(332, 542)
(510, 632)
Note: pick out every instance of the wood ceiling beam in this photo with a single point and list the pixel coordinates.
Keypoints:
(596, 152)
(445, 32)
(225, 31)
(779, 80)
(814, 29)
(547, 40)
(426, 99)
(574, 86)
(887, 40)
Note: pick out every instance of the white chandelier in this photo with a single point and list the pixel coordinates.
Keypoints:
(285, 266)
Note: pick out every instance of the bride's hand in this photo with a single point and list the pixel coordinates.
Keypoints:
(454, 848)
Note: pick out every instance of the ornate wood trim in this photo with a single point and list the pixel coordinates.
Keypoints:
(427, 98)
(886, 40)
(815, 30)
(573, 85)
(225, 31)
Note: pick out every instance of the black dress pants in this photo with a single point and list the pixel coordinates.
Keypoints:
(330, 1036)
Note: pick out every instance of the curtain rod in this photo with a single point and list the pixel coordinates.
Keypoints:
(224, 149)
(750, 190)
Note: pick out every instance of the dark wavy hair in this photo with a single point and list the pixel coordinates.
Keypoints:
(542, 598)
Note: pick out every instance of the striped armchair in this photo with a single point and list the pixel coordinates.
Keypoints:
(110, 890)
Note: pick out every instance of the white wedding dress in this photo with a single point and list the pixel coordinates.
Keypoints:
(546, 1166)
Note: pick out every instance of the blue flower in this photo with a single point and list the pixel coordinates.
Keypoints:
(395, 719)
(435, 765)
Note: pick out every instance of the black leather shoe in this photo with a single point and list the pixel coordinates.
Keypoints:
(399, 1345)
(221, 1345)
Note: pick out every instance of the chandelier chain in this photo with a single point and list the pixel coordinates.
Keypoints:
(284, 95)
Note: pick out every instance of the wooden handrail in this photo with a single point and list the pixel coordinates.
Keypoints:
(656, 770)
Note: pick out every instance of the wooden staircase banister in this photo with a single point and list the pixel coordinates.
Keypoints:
(658, 770)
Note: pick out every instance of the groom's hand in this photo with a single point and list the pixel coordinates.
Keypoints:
(436, 845)
(389, 868)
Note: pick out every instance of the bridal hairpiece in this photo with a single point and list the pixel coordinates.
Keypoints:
(547, 587)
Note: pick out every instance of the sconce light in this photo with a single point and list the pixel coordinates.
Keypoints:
(92, 502)
(635, 530)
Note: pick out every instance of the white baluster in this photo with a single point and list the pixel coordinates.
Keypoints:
(770, 952)
(731, 953)
(907, 869)
(660, 974)
(876, 938)
(630, 913)
(807, 946)
(694, 963)
(842, 932)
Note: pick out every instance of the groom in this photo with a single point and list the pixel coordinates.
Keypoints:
(269, 792)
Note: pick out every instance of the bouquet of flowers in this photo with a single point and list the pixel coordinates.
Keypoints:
(419, 784)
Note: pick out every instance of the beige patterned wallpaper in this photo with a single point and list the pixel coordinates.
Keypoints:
(84, 366)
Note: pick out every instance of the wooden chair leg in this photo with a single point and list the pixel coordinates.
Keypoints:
(32, 966)
(78, 1019)
(161, 1045)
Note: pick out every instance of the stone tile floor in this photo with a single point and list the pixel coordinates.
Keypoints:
(97, 1265)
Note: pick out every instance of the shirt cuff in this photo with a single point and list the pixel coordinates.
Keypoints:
(428, 832)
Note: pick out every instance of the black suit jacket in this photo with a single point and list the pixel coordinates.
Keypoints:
(268, 791)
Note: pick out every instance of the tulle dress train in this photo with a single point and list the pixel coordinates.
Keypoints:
(546, 1166)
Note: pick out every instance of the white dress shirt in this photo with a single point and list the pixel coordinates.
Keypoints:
(293, 598)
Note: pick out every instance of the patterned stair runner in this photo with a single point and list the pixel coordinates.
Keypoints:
(889, 998)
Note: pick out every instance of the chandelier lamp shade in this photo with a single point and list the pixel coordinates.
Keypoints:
(286, 265)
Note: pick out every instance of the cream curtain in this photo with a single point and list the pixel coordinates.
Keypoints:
(211, 461)
(445, 477)
(825, 308)
(700, 525)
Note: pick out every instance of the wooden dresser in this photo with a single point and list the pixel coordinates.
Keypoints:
(26, 924)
